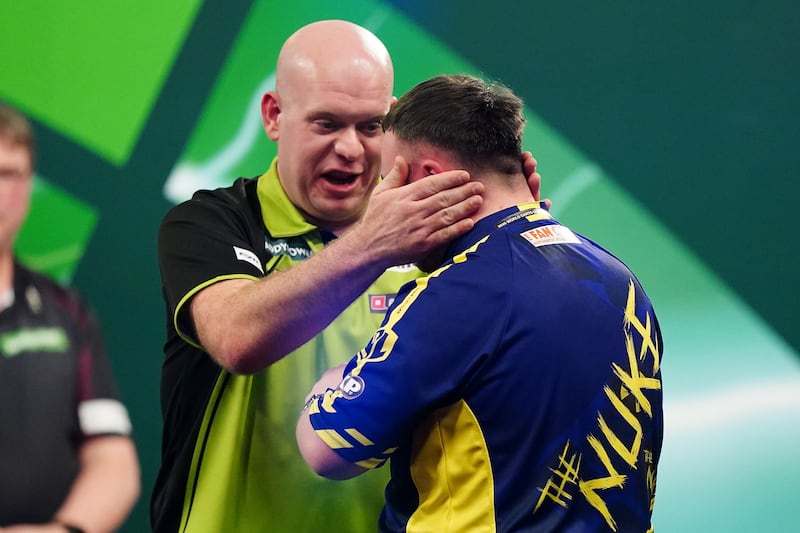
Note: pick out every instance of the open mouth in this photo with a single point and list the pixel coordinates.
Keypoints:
(340, 178)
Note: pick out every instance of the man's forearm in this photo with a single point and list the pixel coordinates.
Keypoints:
(106, 488)
(248, 325)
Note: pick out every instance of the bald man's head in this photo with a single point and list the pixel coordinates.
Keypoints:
(332, 47)
(334, 84)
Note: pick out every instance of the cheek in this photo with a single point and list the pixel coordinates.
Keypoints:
(299, 150)
(23, 198)
(387, 161)
(414, 177)
(15, 202)
(373, 147)
(386, 165)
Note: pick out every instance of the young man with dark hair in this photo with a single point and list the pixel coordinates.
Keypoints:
(515, 388)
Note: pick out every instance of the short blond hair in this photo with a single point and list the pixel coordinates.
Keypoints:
(16, 129)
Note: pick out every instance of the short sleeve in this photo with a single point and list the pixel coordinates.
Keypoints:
(100, 409)
(202, 241)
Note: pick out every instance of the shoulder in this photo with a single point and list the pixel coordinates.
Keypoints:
(240, 198)
(479, 267)
(484, 252)
(234, 208)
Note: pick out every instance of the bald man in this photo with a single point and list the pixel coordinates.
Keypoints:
(273, 279)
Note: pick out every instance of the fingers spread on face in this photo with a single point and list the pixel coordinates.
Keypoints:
(440, 199)
(450, 212)
(449, 196)
(443, 181)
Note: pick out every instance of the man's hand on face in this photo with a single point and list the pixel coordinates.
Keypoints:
(404, 221)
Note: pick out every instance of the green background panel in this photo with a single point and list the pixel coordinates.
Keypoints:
(91, 69)
(55, 234)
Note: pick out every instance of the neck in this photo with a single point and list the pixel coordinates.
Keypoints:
(502, 191)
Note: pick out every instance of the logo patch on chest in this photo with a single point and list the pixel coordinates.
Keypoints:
(296, 249)
(553, 234)
(379, 303)
(248, 257)
(33, 340)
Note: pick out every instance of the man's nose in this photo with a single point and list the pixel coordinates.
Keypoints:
(348, 144)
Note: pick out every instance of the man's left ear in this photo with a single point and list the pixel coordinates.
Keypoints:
(431, 167)
(270, 114)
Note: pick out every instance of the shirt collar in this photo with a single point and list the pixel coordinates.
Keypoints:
(280, 216)
(530, 211)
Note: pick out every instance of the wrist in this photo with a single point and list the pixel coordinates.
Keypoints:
(358, 250)
(360, 242)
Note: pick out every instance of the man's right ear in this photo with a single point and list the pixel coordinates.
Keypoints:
(270, 114)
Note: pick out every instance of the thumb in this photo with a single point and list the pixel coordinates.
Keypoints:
(398, 176)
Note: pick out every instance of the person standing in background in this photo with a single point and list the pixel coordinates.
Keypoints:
(271, 280)
(67, 462)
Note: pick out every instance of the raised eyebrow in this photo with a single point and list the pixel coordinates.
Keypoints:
(330, 117)
(333, 117)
